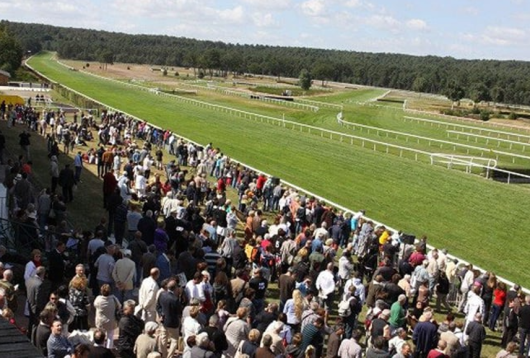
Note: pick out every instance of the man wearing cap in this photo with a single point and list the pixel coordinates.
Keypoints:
(146, 342)
(123, 274)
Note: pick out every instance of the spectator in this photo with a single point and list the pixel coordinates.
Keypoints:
(146, 342)
(107, 305)
(236, 330)
(476, 335)
(99, 350)
(130, 328)
(58, 345)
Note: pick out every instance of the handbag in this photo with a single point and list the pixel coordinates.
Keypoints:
(52, 214)
(117, 310)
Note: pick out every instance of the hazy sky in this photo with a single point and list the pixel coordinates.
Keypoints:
(497, 29)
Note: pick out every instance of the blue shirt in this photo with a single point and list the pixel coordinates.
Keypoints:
(78, 161)
(316, 244)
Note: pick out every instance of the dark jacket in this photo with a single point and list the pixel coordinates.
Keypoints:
(38, 292)
(40, 338)
(170, 309)
(67, 178)
(56, 267)
(425, 336)
(130, 328)
(100, 352)
(476, 332)
(524, 317)
(218, 338)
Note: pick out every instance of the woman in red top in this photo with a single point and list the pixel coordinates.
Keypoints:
(498, 304)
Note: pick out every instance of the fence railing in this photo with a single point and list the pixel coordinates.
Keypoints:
(429, 141)
(284, 182)
(320, 104)
(487, 138)
(263, 98)
(467, 120)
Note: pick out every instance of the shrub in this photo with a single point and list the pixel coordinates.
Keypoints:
(164, 72)
(485, 115)
(513, 115)
(176, 74)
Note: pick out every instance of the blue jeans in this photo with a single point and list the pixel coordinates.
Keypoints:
(494, 316)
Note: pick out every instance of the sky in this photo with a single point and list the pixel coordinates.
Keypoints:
(473, 29)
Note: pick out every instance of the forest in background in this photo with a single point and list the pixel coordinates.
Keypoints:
(479, 80)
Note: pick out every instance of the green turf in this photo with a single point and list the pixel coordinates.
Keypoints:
(479, 220)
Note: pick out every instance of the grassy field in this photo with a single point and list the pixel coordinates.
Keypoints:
(478, 220)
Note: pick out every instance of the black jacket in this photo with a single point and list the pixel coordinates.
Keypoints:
(130, 328)
(524, 317)
(218, 338)
(170, 309)
(56, 267)
(100, 352)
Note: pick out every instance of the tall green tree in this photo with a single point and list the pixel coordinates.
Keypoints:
(305, 79)
(479, 92)
(11, 52)
(323, 71)
(455, 92)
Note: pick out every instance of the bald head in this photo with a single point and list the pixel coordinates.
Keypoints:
(8, 275)
(442, 345)
(154, 273)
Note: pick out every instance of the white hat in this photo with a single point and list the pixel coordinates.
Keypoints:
(201, 338)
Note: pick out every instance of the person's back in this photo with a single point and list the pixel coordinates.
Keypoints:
(144, 345)
(200, 352)
(263, 352)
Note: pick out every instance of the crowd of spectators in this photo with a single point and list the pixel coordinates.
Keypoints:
(174, 267)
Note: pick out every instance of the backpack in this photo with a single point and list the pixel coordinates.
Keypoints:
(255, 255)
(220, 292)
(345, 308)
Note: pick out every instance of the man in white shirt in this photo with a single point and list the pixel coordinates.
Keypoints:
(147, 296)
(194, 288)
(325, 285)
(474, 305)
(349, 348)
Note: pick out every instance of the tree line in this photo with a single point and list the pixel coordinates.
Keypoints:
(479, 80)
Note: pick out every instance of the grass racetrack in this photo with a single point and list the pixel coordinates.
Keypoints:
(479, 220)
